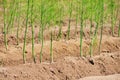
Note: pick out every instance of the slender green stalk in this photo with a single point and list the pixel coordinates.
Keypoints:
(119, 29)
(5, 27)
(93, 39)
(117, 12)
(102, 19)
(81, 28)
(33, 52)
(91, 15)
(42, 28)
(91, 44)
(51, 48)
(112, 15)
(69, 24)
(25, 35)
(77, 16)
(60, 26)
(12, 15)
(18, 18)
(41, 45)
(41, 8)
(39, 35)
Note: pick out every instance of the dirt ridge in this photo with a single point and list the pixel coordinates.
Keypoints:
(68, 68)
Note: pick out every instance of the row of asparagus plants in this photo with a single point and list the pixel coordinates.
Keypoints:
(51, 12)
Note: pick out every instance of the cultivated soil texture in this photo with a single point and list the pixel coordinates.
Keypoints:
(67, 65)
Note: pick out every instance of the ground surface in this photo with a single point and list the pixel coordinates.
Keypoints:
(110, 77)
(68, 68)
(67, 64)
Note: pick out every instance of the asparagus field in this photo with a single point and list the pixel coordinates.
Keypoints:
(59, 39)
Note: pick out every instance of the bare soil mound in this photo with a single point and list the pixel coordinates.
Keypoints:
(62, 48)
(68, 68)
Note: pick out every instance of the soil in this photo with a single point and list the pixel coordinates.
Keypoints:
(110, 77)
(67, 68)
(67, 64)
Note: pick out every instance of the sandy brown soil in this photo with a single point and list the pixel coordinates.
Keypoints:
(67, 68)
(67, 63)
(62, 48)
(110, 77)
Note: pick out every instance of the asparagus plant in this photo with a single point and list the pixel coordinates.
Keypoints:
(81, 28)
(42, 28)
(18, 19)
(69, 24)
(60, 26)
(33, 53)
(119, 29)
(5, 27)
(102, 22)
(77, 16)
(112, 17)
(25, 35)
(51, 48)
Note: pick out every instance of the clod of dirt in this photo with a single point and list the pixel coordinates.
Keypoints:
(26, 51)
(91, 61)
(60, 71)
(52, 70)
